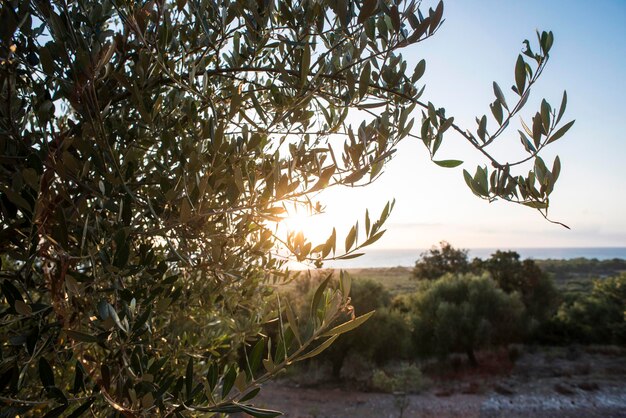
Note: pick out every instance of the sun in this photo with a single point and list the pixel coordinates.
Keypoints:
(314, 226)
(298, 221)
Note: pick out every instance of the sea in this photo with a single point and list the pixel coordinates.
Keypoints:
(407, 257)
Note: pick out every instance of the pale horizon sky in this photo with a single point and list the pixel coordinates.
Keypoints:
(478, 44)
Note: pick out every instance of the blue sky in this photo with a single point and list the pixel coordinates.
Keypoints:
(478, 44)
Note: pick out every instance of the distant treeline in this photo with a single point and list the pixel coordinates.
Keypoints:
(581, 268)
(458, 305)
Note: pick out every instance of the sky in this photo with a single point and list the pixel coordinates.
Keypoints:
(478, 44)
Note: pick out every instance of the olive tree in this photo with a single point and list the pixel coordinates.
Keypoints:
(462, 313)
(147, 150)
(436, 262)
(596, 317)
(536, 288)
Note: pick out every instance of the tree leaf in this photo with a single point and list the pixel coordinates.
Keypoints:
(482, 128)
(268, 363)
(240, 381)
(536, 205)
(364, 79)
(350, 256)
(496, 110)
(562, 131)
(545, 115)
(448, 163)
(367, 9)
(520, 75)
(436, 17)
(105, 373)
(76, 413)
(446, 124)
(147, 400)
(81, 336)
(305, 64)
(45, 373)
(395, 18)
(419, 71)
(562, 108)
(22, 308)
(250, 395)
(56, 412)
(211, 376)
(256, 356)
(556, 168)
(348, 326)
(345, 283)
(478, 188)
(350, 238)
(499, 95)
(293, 324)
(189, 377)
(15, 198)
(79, 381)
(373, 238)
(317, 350)
(229, 381)
(324, 178)
(317, 297)
(481, 180)
(258, 412)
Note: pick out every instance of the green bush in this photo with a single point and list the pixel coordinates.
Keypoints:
(536, 288)
(406, 378)
(564, 271)
(383, 338)
(462, 313)
(595, 318)
(436, 262)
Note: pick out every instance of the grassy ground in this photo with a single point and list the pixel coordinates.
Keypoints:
(571, 276)
(397, 280)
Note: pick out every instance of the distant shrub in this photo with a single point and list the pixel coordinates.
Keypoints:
(384, 337)
(436, 262)
(587, 268)
(382, 382)
(408, 378)
(461, 313)
(595, 318)
(536, 288)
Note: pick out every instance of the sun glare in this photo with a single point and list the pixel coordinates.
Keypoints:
(298, 222)
(314, 227)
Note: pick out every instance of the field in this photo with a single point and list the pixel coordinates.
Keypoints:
(572, 379)
(397, 280)
(571, 275)
(574, 275)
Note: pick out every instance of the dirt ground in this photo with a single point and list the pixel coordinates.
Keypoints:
(548, 382)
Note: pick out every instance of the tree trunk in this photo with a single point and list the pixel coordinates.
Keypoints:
(337, 363)
(471, 357)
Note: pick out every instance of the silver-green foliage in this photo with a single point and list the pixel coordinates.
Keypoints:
(462, 313)
(407, 378)
(597, 317)
(146, 151)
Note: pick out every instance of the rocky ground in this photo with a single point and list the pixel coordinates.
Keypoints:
(549, 382)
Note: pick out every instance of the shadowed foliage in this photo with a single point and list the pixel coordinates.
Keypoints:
(462, 313)
(147, 151)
